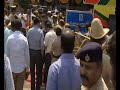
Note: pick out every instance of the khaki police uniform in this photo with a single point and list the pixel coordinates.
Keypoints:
(100, 85)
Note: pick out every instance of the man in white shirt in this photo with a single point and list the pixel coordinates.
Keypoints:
(23, 18)
(17, 49)
(49, 38)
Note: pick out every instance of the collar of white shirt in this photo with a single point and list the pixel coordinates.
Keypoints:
(17, 31)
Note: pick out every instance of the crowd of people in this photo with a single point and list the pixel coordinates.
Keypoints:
(58, 58)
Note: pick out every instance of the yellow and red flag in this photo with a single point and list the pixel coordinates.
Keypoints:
(102, 9)
(91, 1)
(103, 12)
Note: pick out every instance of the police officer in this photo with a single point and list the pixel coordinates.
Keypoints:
(90, 56)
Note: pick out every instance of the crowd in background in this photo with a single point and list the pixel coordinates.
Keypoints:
(60, 58)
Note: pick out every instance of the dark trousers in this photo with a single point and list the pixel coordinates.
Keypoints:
(36, 59)
(47, 62)
(23, 31)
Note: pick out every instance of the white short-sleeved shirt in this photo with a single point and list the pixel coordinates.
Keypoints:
(49, 38)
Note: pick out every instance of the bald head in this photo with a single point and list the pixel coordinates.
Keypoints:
(67, 41)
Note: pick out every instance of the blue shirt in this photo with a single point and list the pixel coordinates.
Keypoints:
(35, 38)
(64, 74)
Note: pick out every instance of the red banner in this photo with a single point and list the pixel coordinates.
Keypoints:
(91, 1)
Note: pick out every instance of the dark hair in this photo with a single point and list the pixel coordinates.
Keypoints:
(36, 20)
(58, 31)
(48, 24)
(16, 24)
(67, 41)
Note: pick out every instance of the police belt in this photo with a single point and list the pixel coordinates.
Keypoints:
(34, 50)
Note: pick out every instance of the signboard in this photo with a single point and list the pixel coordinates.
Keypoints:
(74, 17)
